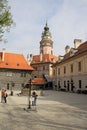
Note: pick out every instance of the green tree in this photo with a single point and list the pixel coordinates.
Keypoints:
(5, 18)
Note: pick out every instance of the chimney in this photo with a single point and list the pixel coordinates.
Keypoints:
(3, 54)
(67, 49)
(77, 43)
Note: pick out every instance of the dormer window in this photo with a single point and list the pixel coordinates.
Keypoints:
(60, 58)
(72, 52)
(6, 63)
(18, 64)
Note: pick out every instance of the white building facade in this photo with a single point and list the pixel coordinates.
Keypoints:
(71, 70)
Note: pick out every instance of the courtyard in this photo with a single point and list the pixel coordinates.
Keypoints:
(55, 110)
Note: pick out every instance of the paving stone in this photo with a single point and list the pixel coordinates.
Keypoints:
(54, 111)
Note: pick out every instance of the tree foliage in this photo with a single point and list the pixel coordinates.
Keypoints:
(5, 18)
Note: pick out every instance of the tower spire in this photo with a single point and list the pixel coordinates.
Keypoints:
(46, 28)
(46, 22)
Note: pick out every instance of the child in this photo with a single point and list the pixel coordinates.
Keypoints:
(34, 96)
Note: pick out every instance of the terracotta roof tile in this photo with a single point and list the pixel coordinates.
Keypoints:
(14, 61)
(82, 48)
(39, 81)
(45, 58)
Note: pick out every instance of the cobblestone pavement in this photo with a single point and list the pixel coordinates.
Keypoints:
(55, 111)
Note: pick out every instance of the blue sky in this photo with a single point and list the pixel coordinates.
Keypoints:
(67, 20)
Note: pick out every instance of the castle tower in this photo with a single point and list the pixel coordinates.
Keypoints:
(46, 44)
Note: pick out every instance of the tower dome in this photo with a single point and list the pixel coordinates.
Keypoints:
(46, 44)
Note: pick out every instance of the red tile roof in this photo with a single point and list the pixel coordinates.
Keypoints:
(38, 81)
(14, 61)
(82, 48)
(66, 56)
(45, 58)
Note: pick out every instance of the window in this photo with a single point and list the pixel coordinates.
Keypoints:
(23, 74)
(65, 84)
(42, 51)
(80, 83)
(7, 86)
(64, 69)
(59, 71)
(43, 67)
(22, 85)
(13, 84)
(71, 67)
(35, 67)
(9, 74)
(46, 67)
(59, 84)
(79, 66)
(54, 72)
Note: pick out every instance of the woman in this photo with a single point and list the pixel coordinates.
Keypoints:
(2, 95)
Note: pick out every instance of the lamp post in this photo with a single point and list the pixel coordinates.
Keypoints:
(29, 94)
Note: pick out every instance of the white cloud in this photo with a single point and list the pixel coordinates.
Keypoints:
(69, 23)
(67, 20)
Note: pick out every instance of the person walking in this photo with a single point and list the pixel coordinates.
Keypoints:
(2, 95)
(34, 97)
(32, 100)
(5, 96)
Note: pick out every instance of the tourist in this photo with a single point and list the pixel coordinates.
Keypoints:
(5, 96)
(2, 95)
